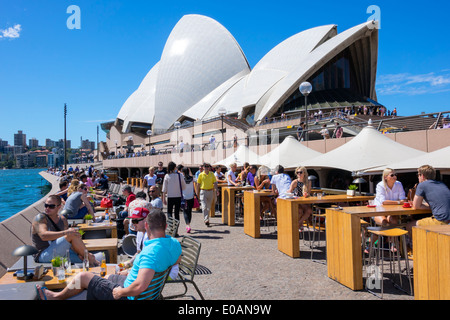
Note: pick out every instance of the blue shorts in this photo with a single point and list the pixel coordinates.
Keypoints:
(58, 247)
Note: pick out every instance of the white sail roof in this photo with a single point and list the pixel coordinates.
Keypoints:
(439, 159)
(243, 154)
(290, 154)
(369, 149)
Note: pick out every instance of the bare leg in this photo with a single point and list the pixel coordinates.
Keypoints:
(79, 248)
(78, 284)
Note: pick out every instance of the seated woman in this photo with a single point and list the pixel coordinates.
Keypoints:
(77, 204)
(262, 182)
(389, 192)
(301, 187)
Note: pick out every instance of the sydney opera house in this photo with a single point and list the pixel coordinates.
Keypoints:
(203, 69)
(204, 85)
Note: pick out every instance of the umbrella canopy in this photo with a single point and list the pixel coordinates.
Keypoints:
(243, 154)
(439, 159)
(290, 154)
(369, 149)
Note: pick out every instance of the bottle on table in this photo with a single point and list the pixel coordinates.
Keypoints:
(103, 266)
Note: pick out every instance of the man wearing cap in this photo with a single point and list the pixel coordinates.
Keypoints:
(159, 253)
(139, 202)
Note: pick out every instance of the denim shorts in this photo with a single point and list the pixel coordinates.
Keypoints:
(101, 289)
(58, 247)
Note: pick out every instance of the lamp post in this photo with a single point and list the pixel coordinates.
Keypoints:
(177, 125)
(149, 133)
(65, 138)
(306, 88)
(222, 112)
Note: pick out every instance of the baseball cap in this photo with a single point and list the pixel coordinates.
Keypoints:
(139, 213)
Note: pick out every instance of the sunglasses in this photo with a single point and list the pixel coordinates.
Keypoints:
(51, 206)
(393, 175)
(299, 172)
(152, 191)
(136, 221)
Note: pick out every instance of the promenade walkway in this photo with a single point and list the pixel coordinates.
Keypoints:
(234, 266)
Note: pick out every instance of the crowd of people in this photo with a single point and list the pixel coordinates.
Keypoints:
(177, 189)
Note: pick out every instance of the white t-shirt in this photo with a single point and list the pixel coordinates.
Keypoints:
(188, 193)
(232, 175)
(151, 181)
(282, 181)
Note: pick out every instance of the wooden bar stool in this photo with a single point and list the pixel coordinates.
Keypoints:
(394, 237)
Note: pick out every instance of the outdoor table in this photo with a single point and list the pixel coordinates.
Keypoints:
(228, 203)
(343, 234)
(50, 280)
(100, 226)
(287, 219)
(431, 246)
(105, 244)
(252, 208)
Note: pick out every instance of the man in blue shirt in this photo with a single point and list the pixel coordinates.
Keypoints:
(280, 182)
(251, 175)
(437, 196)
(159, 253)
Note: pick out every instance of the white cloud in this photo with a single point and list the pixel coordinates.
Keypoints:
(409, 84)
(11, 32)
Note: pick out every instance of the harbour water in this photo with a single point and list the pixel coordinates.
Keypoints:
(20, 188)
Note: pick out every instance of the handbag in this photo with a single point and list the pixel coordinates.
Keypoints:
(183, 200)
(412, 193)
(106, 203)
(196, 203)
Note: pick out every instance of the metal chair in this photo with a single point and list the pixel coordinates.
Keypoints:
(129, 246)
(156, 286)
(187, 266)
(318, 227)
(172, 227)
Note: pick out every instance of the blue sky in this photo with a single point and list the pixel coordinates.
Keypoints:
(44, 64)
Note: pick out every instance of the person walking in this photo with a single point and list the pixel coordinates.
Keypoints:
(172, 190)
(188, 195)
(206, 189)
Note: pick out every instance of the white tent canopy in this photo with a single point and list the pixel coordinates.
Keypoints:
(369, 149)
(290, 154)
(439, 159)
(243, 154)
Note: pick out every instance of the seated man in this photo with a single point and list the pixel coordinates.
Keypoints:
(159, 253)
(436, 195)
(50, 233)
(77, 204)
(130, 196)
(139, 202)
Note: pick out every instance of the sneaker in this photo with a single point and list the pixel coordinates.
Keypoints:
(207, 223)
(188, 229)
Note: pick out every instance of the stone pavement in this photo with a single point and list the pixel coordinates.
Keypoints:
(234, 266)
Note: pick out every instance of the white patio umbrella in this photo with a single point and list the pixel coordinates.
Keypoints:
(243, 154)
(439, 159)
(369, 149)
(290, 154)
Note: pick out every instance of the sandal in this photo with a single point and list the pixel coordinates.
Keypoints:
(38, 292)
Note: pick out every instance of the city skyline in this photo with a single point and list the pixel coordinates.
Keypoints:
(47, 62)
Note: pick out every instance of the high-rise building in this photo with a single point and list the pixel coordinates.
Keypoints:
(33, 143)
(20, 139)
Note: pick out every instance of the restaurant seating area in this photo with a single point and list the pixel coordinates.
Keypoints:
(335, 236)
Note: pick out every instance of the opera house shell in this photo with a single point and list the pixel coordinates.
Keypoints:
(203, 69)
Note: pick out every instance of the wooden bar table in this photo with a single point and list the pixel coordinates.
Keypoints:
(220, 185)
(252, 208)
(228, 203)
(431, 245)
(287, 218)
(343, 234)
(106, 244)
(51, 281)
(100, 226)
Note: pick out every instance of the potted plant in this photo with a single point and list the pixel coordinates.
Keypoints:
(57, 262)
(351, 190)
(88, 219)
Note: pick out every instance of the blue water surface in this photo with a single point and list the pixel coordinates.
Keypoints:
(19, 188)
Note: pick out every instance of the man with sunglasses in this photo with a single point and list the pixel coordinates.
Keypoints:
(50, 234)
(158, 254)
(205, 190)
